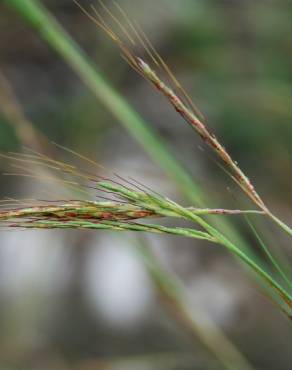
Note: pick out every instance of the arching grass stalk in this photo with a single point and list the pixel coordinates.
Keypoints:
(147, 203)
(165, 205)
(129, 205)
(269, 254)
(132, 200)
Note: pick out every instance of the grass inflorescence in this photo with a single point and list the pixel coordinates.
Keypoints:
(134, 202)
(122, 206)
(174, 93)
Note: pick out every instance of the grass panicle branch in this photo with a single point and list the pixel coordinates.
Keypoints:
(128, 201)
(176, 95)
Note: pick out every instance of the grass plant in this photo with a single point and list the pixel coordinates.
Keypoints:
(132, 201)
(128, 203)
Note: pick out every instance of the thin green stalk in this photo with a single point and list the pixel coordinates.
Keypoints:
(280, 223)
(211, 234)
(166, 207)
(221, 239)
(94, 215)
(269, 254)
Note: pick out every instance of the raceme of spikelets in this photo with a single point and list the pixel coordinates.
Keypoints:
(130, 204)
(121, 206)
(117, 213)
(130, 34)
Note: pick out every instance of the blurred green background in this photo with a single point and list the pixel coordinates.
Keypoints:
(81, 299)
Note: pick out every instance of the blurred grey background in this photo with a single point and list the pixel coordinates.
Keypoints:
(83, 299)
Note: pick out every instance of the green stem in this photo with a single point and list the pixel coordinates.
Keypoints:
(269, 255)
(162, 205)
(280, 223)
(221, 239)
